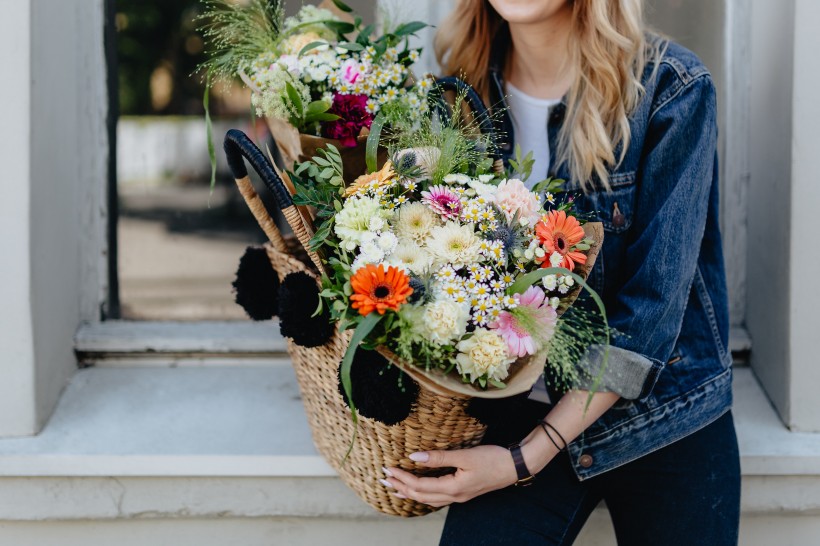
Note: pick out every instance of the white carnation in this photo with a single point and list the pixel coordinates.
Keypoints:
(483, 353)
(353, 221)
(443, 321)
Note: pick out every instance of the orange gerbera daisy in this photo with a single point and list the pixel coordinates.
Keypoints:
(559, 233)
(378, 178)
(380, 290)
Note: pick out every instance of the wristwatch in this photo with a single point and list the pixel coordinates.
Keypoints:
(525, 477)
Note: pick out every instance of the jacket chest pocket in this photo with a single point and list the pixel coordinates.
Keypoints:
(615, 210)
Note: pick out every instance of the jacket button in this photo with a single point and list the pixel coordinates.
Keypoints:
(585, 460)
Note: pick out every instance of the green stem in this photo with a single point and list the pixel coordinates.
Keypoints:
(362, 330)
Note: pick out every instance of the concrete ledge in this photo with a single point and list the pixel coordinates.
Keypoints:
(233, 441)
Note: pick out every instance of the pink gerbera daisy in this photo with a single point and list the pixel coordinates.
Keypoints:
(529, 326)
(443, 201)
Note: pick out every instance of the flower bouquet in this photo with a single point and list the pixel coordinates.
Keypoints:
(436, 281)
(316, 78)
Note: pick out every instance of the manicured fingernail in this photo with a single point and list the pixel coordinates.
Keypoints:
(387, 472)
(399, 495)
(420, 457)
(386, 483)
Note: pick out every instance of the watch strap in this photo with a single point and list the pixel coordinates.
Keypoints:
(525, 477)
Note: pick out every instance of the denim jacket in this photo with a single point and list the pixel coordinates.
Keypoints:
(660, 271)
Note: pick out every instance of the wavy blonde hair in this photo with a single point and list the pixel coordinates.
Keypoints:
(608, 47)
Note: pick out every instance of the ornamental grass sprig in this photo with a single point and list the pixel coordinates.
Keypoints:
(236, 33)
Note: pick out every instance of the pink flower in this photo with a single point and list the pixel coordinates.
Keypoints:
(513, 196)
(528, 327)
(351, 71)
(443, 201)
(353, 117)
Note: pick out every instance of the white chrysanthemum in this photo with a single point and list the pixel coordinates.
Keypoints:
(457, 178)
(443, 321)
(414, 222)
(550, 282)
(483, 189)
(353, 221)
(555, 302)
(411, 257)
(371, 252)
(555, 259)
(387, 242)
(484, 353)
(454, 244)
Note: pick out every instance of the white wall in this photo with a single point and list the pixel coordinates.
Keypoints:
(53, 221)
(16, 345)
(769, 208)
(805, 202)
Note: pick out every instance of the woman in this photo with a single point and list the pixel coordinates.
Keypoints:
(629, 121)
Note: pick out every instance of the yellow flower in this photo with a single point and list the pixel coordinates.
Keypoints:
(376, 179)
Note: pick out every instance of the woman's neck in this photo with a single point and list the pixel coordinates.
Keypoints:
(539, 54)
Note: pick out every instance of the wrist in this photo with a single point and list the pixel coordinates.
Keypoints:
(538, 451)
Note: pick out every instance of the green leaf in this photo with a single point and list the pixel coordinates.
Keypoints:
(340, 27)
(317, 107)
(294, 97)
(209, 129)
(372, 146)
(321, 161)
(311, 46)
(351, 46)
(323, 116)
(365, 34)
(342, 6)
(408, 29)
(362, 330)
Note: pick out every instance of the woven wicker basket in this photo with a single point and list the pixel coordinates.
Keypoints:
(435, 421)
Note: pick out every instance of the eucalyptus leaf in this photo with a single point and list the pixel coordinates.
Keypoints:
(342, 6)
(311, 46)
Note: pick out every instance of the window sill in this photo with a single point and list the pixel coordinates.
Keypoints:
(205, 440)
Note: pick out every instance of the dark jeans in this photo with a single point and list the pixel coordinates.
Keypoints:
(687, 493)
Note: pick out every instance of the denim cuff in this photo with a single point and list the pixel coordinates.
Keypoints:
(627, 373)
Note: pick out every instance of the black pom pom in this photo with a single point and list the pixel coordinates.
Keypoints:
(298, 300)
(508, 420)
(419, 290)
(380, 391)
(256, 285)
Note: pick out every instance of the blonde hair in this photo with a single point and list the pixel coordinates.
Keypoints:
(608, 48)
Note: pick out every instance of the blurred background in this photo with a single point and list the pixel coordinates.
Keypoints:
(179, 243)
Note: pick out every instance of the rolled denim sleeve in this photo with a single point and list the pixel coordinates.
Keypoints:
(675, 178)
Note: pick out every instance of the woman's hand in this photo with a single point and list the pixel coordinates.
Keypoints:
(478, 470)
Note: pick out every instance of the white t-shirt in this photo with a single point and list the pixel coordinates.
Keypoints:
(529, 118)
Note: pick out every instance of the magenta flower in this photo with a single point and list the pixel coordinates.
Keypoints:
(443, 201)
(353, 117)
(528, 327)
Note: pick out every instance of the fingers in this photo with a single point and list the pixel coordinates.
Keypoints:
(433, 491)
(405, 481)
(438, 459)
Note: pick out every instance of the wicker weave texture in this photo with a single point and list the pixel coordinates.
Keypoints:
(435, 422)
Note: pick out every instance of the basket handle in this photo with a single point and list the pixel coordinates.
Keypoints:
(239, 147)
(480, 111)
